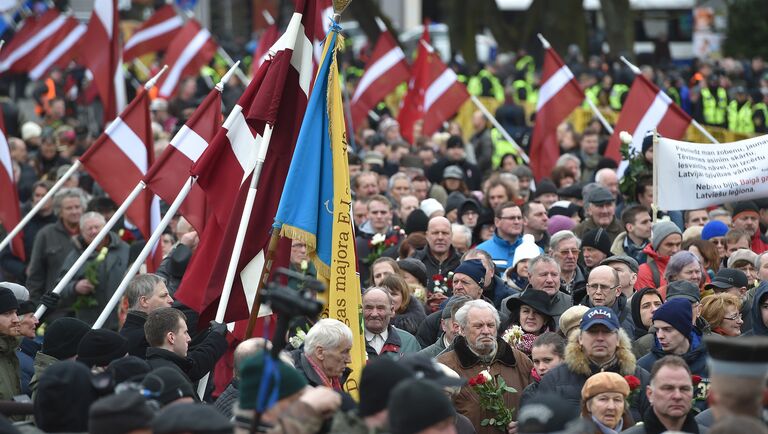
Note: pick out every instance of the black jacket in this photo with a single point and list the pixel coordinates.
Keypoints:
(473, 176)
(133, 330)
(225, 403)
(411, 319)
(199, 361)
(652, 425)
(434, 266)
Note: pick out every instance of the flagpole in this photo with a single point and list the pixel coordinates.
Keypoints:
(501, 129)
(92, 246)
(591, 104)
(48, 196)
(694, 122)
(265, 273)
(145, 252)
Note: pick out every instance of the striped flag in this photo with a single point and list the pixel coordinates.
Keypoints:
(559, 95)
(434, 92)
(35, 30)
(385, 70)
(154, 34)
(646, 108)
(10, 214)
(57, 50)
(191, 48)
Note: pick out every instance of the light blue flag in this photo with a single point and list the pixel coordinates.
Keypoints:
(305, 211)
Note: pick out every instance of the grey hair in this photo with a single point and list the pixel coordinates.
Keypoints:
(66, 193)
(382, 289)
(327, 333)
(462, 315)
(566, 158)
(455, 227)
(678, 261)
(718, 212)
(142, 285)
(758, 261)
(542, 259)
(602, 172)
(399, 175)
(91, 215)
(560, 237)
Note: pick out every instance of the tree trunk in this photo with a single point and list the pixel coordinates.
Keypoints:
(619, 27)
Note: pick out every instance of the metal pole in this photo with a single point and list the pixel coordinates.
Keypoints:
(599, 115)
(501, 129)
(703, 131)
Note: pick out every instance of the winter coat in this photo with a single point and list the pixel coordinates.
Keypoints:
(349, 422)
(514, 366)
(110, 274)
(695, 358)
(613, 229)
(568, 378)
(10, 385)
(398, 343)
(498, 291)
(758, 326)
(173, 266)
(434, 266)
(363, 249)
(429, 330)
(472, 174)
(645, 274)
(634, 307)
(577, 288)
(652, 425)
(52, 245)
(133, 330)
(502, 251)
(225, 403)
(411, 319)
(623, 245)
(622, 309)
(643, 345)
(42, 362)
(199, 361)
(26, 354)
(437, 348)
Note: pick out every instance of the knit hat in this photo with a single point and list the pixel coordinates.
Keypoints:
(745, 206)
(167, 384)
(662, 230)
(543, 413)
(422, 364)
(647, 141)
(570, 320)
(30, 130)
(558, 223)
(99, 347)
(63, 336)
(20, 292)
(191, 418)
(129, 368)
(377, 380)
(469, 204)
(119, 414)
(453, 172)
(742, 255)
(544, 186)
(416, 268)
(683, 289)
(603, 382)
(474, 269)
(573, 191)
(433, 407)
(8, 301)
(677, 312)
(251, 373)
(563, 208)
(430, 206)
(526, 250)
(597, 239)
(714, 228)
(417, 221)
(454, 201)
(692, 232)
(64, 395)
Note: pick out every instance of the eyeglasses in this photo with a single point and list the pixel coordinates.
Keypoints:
(736, 317)
(513, 218)
(595, 287)
(574, 252)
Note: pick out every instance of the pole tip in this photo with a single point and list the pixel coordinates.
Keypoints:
(153, 81)
(227, 76)
(340, 5)
(544, 42)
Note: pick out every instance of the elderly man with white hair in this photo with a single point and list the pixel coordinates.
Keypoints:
(479, 348)
(326, 354)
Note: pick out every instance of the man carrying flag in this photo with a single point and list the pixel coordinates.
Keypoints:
(315, 205)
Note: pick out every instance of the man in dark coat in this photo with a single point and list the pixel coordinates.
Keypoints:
(604, 289)
(145, 293)
(438, 255)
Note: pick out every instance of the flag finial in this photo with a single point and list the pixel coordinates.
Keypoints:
(227, 76)
(338, 8)
(153, 81)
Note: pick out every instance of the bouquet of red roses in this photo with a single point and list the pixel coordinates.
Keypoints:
(491, 391)
(634, 386)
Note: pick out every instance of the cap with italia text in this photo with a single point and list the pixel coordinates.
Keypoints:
(600, 315)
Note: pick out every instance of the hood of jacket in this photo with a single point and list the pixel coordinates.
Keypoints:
(648, 250)
(637, 298)
(577, 360)
(758, 326)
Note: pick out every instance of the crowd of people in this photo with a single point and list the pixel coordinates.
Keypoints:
(491, 301)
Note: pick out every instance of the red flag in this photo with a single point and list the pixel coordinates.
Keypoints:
(34, 31)
(559, 95)
(167, 176)
(118, 161)
(190, 49)
(385, 70)
(57, 50)
(102, 55)
(268, 38)
(154, 34)
(323, 19)
(647, 108)
(10, 214)
(434, 93)
(277, 95)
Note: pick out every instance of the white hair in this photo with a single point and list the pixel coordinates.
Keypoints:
(561, 236)
(566, 158)
(463, 313)
(91, 215)
(456, 228)
(602, 173)
(327, 333)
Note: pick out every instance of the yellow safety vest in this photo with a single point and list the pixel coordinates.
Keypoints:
(740, 118)
(714, 107)
(502, 147)
(475, 86)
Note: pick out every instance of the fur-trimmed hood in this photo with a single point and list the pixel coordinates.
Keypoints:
(578, 362)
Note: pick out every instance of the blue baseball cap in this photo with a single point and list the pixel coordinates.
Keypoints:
(600, 315)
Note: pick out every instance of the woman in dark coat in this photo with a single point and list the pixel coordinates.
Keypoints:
(530, 311)
(409, 312)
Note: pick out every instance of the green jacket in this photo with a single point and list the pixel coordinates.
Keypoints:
(52, 245)
(351, 423)
(42, 362)
(10, 384)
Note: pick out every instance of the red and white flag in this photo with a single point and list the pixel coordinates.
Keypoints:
(323, 19)
(118, 161)
(34, 31)
(57, 50)
(277, 96)
(171, 170)
(647, 108)
(191, 48)
(154, 34)
(434, 92)
(385, 70)
(268, 38)
(559, 95)
(103, 56)
(10, 214)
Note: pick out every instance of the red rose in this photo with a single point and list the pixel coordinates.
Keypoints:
(472, 381)
(480, 379)
(696, 379)
(437, 277)
(632, 381)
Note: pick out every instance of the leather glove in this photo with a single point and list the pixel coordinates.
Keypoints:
(50, 300)
(220, 328)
